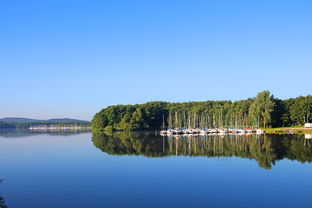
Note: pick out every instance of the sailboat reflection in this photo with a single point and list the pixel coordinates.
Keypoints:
(265, 149)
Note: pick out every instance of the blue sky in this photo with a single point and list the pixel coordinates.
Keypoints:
(61, 58)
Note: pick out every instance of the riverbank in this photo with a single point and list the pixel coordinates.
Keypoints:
(285, 130)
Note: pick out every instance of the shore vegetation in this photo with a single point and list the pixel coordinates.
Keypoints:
(262, 111)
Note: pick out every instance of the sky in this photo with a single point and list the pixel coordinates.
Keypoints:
(71, 58)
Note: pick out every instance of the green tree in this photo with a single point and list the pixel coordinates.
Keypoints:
(137, 120)
(301, 110)
(262, 108)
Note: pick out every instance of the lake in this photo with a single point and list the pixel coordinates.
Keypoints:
(78, 169)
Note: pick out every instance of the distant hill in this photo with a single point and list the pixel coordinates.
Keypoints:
(25, 123)
(58, 120)
(18, 120)
(27, 120)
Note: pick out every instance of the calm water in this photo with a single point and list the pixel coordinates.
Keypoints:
(143, 170)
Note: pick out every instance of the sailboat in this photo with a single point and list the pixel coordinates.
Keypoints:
(163, 131)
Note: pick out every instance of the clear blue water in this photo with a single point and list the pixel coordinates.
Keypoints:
(143, 170)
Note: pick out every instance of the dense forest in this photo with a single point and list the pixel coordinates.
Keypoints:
(266, 149)
(262, 111)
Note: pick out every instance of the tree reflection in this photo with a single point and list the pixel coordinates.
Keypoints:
(123, 143)
(265, 149)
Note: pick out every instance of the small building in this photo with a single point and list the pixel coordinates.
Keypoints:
(308, 125)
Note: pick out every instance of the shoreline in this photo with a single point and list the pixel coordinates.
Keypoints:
(286, 130)
(277, 130)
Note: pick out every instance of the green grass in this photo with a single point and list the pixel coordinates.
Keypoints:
(283, 130)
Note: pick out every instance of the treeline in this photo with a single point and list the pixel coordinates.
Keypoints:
(262, 111)
(26, 125)
(4, 125)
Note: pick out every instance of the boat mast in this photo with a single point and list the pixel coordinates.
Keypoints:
(176, 120)
(163, 126)
(184, 120)
(169, 121)
(189, 120)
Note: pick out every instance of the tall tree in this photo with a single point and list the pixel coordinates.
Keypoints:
(301, 110)
(262, 108)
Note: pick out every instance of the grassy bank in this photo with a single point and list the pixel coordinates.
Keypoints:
(285, 130)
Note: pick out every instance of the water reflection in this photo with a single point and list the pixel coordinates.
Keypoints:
(10, 133)
(265, 149)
